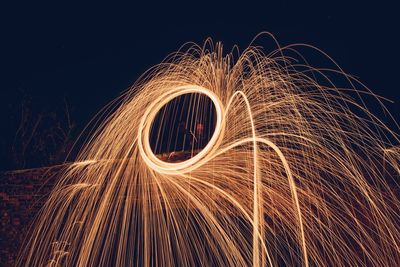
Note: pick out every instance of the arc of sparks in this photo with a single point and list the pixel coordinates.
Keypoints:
(291, 175)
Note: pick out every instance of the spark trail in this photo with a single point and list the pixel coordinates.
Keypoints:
(223, 160)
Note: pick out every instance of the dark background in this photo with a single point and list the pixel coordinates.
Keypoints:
(85, 55)
(81, 56)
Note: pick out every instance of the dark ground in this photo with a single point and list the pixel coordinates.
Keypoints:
(56, 57)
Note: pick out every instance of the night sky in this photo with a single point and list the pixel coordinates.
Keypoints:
(89, 54)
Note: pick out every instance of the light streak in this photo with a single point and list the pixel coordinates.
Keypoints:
(296, 172)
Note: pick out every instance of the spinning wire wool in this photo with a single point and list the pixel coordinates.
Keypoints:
(244, 159)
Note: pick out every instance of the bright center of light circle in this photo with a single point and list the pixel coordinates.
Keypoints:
(183, 127)
(180, 128)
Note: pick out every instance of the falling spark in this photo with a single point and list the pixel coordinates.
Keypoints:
(295, 171)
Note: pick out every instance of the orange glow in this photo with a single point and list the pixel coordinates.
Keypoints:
(292, 174)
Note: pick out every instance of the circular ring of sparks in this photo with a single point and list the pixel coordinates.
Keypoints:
(145, 126)
(297, 172)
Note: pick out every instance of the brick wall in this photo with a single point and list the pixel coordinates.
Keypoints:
(22, 194)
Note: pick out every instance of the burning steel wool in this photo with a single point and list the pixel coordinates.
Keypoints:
(222, 160)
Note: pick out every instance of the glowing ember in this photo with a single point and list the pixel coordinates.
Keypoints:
(291, 175)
